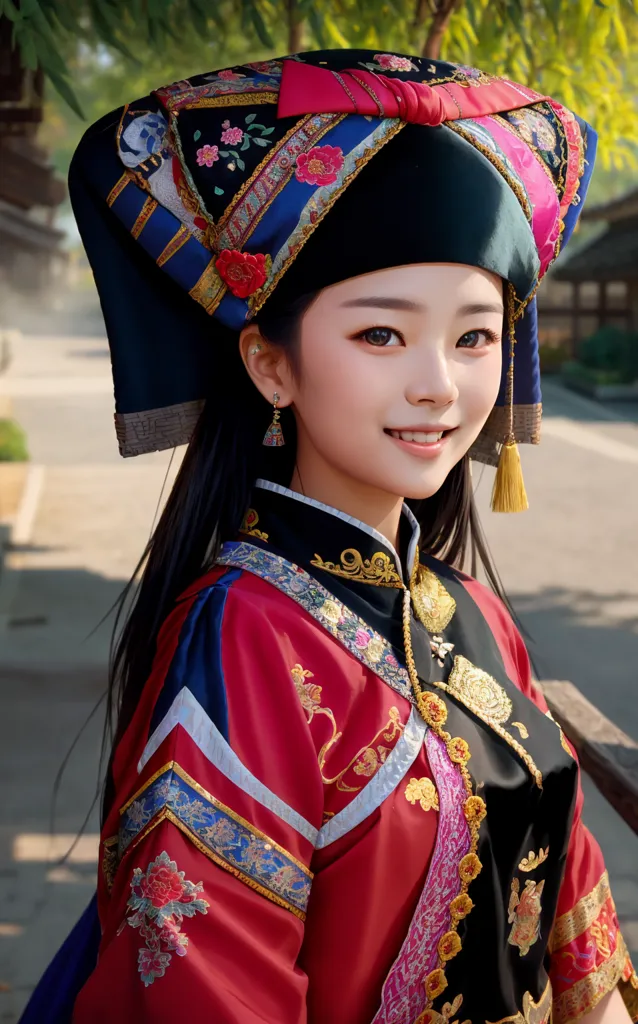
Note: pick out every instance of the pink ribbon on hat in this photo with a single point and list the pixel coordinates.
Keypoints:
(307, 89)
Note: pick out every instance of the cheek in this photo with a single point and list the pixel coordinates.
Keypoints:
(478, 383)
(341, 390)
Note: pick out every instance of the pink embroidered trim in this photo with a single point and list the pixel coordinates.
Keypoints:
(403, 996)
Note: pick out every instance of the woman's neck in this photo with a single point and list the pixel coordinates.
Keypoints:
(375, 508)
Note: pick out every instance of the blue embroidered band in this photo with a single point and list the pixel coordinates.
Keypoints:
(351, 631)
(228, 839)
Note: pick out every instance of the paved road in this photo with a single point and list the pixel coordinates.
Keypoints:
(569, 565)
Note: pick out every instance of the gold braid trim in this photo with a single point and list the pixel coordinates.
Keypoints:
(577, 920)
(433, 711)
(582, 997)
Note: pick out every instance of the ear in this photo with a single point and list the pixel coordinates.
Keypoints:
(266, 366)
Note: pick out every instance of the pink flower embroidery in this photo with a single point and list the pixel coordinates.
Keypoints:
(229, 76)
(226, 123)
(361, 639)
(390, 62)
(320, 166)
(207, 155)
(391, 660)
(151, 963)
(232, 136)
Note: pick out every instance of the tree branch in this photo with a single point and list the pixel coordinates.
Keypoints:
(438, 27)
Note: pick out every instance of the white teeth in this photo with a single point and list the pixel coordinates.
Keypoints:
(417, 435)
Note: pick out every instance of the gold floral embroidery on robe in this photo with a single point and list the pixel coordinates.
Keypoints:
(249, 525)
(444, 1015)
(433, 605)
(369, 759)
(379, 570)
(487, 699)
(532, 1013)
(422, 791)
(522, 728)
(523, 913)
(533, 860)
(310, 699)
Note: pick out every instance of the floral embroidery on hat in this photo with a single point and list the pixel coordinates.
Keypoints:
(320, 166)
(207, 155)
(243, 272)
(160, 900)
(389, 62)
(231, 136)
(229, 76)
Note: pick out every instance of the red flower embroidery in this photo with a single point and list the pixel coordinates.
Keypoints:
(229, 76)
(320, 166)
(243, 272)
(161, 885)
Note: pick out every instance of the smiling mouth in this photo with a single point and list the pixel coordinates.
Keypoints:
(420, 436)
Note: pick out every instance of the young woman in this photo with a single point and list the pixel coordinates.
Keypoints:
(335, 794)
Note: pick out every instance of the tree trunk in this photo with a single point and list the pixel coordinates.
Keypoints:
(438, 27)
(295, 27)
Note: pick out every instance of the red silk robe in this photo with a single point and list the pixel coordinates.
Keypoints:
(277, 814)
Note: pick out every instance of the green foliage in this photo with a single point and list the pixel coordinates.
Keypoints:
(13, 443)
(552, 357)
(581, 52)
(611, 350)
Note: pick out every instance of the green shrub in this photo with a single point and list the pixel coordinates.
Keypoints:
(611, 350)
(576, 373)
(552, 357)
(13, 443)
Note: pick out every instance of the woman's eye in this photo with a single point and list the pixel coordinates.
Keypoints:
(477, 339)
(381, 337)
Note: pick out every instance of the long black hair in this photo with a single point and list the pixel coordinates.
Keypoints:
(210, 497)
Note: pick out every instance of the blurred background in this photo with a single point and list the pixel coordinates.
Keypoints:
(74, 517)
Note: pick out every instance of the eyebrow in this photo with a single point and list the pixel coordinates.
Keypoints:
(409, 306)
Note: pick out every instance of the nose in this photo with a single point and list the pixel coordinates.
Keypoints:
(433, 381)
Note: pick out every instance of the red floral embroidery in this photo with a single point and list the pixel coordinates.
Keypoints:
(229, 76)
(161, 897)
(161, 884)
(320, 166)
(243, 272)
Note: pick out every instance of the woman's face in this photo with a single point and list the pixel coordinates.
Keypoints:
(397, 374)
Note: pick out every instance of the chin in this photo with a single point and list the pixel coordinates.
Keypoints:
(424, 488)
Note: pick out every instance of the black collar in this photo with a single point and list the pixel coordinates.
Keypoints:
(351, 559)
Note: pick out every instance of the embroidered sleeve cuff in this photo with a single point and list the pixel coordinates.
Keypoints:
(218, 832)
(589, 957)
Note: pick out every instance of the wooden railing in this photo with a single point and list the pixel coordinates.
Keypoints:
(606, 753)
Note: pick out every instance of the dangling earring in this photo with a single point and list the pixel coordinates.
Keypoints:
(274, 438)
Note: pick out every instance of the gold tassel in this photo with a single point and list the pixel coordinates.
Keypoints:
(508, 493)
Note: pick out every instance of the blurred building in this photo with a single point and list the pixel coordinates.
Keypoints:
(30, 246)
(597, 283)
